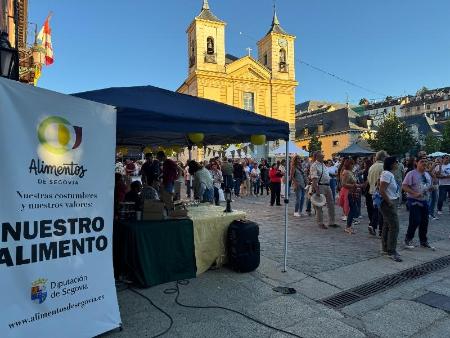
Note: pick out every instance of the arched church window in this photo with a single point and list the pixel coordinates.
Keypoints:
(282, 55)
(210, 45)
(192, 53)
(283, 66)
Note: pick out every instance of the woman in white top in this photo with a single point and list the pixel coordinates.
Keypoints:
(389, 191)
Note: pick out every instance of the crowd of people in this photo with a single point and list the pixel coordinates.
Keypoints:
(388, 184)
(420, 184)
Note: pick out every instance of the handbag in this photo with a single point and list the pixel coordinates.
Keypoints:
(221, 195)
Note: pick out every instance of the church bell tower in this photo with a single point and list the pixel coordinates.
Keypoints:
(276, 51)
(206, 42)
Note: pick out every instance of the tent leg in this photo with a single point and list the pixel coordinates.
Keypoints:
(191, 196)
(286, 204)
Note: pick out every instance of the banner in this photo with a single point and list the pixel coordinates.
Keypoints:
(56, 214)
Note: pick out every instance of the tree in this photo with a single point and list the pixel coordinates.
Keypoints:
(314, 144)
(393, 136)
(445, 144)
(432, 143)
(421, 91)
(363, 102)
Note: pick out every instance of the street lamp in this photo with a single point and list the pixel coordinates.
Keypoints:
(9, 57)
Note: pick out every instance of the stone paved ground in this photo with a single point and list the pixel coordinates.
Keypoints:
(313, 250)
(321, 263)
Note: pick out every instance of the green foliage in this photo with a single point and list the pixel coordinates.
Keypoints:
(363, 101)
(314, 144)
(445, 144)
(393, 136)
(422, 91)
(432, 143)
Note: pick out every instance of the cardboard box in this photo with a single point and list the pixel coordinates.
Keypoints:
(181, 213)
(153, 206)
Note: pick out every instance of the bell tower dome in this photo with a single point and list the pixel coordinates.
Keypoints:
(206, 41)
(276, 51)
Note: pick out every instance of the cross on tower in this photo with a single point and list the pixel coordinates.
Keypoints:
(249, 50)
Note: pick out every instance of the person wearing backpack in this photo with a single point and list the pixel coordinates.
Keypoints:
(389, 191)
(373, 176)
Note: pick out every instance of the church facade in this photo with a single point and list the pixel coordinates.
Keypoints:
(264, 85)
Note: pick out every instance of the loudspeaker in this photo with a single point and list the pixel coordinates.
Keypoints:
(243, 246)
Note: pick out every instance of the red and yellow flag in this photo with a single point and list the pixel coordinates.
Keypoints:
(45, 37)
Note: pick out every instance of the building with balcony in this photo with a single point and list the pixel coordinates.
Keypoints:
(427, 102)
(379, 110)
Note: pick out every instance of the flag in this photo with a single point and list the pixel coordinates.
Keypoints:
(45, 37)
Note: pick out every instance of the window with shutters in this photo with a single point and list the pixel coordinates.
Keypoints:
(249, 101)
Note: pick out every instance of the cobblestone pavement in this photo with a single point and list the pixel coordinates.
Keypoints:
(312, 250)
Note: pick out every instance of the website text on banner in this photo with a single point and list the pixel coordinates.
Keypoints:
(56, 214)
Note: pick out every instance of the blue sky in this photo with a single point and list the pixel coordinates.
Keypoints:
(391, 47)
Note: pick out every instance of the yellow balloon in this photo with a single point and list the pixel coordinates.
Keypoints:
(196, 137)
(258, 139)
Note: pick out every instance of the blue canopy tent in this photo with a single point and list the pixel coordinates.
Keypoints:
(148, 115)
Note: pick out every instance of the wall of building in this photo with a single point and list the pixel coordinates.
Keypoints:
(331, 144)
(425, 108)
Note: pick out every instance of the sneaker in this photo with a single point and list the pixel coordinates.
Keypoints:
(371, 231)
(395, 257)
(409, 244)
(360, 216)
(296, 214)
(434, 218)
(427, 245)
(344, 218)
(439, 212)
(304, 214)
(356, 222)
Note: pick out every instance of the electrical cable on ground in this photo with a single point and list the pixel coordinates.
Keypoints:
(158, 308)
(176, 290)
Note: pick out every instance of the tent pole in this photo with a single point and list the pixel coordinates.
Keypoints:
(190, 176)
(286, 203)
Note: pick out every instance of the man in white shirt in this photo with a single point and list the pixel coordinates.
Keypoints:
(443, 174)
(332, 172)
(372, 177)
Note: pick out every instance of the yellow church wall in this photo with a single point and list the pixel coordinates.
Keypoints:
(274, 92)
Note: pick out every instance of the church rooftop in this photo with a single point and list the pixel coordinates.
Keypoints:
(276, 27)
(206, 13)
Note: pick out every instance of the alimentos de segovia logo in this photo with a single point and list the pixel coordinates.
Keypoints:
(58, 136)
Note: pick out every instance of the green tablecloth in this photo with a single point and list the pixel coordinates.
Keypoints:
(155, 252)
